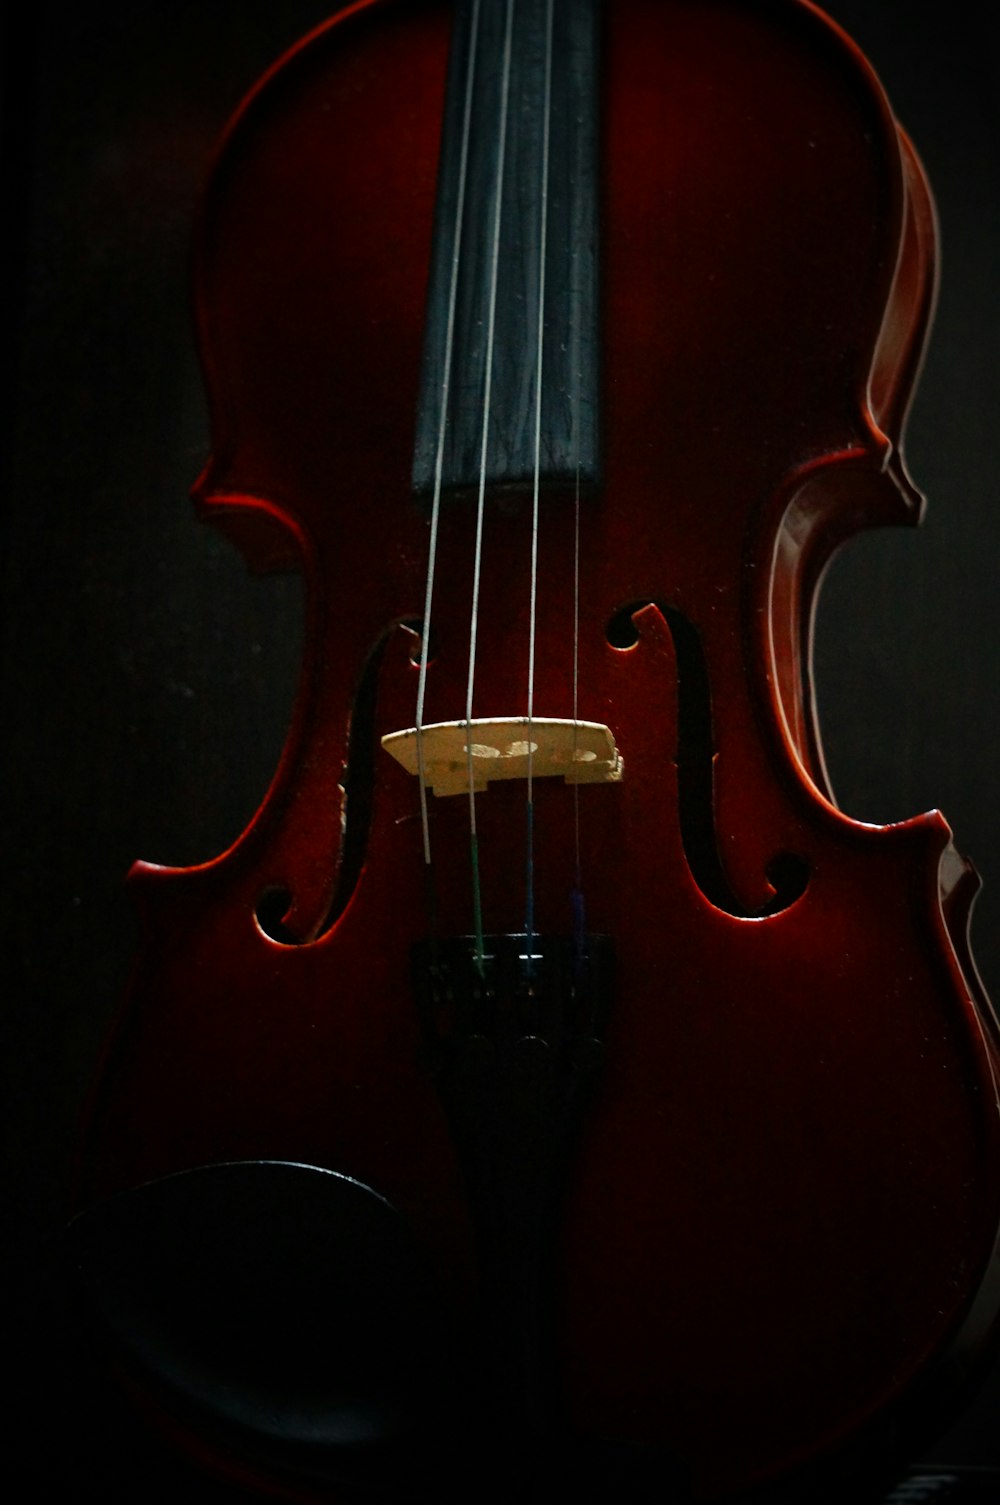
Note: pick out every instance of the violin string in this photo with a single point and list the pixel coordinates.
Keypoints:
(480, 508)
(577, 907)
(529, 916)
(576, 898)
(470, 77)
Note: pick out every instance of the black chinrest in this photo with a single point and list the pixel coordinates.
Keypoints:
(280, 1302)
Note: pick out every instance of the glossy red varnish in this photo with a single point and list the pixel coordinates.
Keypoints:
(785, 1203)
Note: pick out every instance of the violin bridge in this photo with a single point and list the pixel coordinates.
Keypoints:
(582, 752)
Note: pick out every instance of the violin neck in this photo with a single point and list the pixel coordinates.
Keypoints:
(509, 377)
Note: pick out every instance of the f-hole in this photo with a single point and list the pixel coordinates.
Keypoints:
(787, 872)
(358, 785)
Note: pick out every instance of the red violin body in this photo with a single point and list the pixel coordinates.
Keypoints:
(778, 1214)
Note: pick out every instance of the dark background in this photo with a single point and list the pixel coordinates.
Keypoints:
(147, 678)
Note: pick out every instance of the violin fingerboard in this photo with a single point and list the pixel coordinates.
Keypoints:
(492, 293)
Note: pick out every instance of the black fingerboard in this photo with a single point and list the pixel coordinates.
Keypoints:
(568, 449)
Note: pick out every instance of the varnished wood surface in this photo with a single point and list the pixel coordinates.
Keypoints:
(129, 737)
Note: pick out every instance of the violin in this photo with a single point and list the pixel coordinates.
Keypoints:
(552, 1088)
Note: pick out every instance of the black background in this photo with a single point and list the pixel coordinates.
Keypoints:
(147, 678)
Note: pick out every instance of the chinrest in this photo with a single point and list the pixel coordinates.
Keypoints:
(284, 1302)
